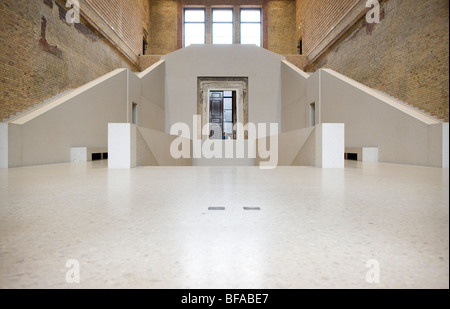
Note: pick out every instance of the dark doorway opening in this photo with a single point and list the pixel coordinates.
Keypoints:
(222, 114)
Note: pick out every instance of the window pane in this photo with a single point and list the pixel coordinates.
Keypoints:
(228, 128)
(228, 116)
(227, 103)
(251, 34)
(215, 108)
(222, 16)
(194, 34)
(194, 15)
(223, 33)
(251, 16)
(228, 94)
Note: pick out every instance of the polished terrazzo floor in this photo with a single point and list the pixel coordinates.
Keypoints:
(151, 227)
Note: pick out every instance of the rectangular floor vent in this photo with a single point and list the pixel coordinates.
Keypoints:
(252, 208)
(216, 208)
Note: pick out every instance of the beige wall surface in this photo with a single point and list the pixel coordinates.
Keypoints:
(400, 133)
(262, 68)
(80, 120)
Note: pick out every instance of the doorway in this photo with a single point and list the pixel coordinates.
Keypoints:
(238, 86)
(222, 114)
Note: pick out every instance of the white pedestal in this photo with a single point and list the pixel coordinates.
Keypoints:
(330, 145)
(121, 145)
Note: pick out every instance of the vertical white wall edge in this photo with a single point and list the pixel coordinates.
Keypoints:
(445, 145)
(330, 145)
(3, 145)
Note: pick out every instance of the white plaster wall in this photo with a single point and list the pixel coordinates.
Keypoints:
(152, 95)
(144, 156)
(438, 145)
(445, 145)
(159, 144)
(307, 155)
(290, 144)
(134, 96)
(294, 115)
(262, 67)
(400, 133)
(15, 149)
(79, 119)
(3, 145)
(313, 95)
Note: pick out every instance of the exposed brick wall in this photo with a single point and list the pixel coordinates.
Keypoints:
(298, 60)
(406, 55)
(34, 68)
(281, 27)
(315, 19)
(163, 26)
(147, 61)
(128, 18)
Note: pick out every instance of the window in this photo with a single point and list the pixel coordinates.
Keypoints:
(228, 115)
(250, 20)
(300, 47)
(210, 24)
(222, 26)
(144, 46)
(194, 26)
(144, 42)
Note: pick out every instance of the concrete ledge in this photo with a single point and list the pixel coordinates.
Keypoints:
(84, 154)
(363, 154)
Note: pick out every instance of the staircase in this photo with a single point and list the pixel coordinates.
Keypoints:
(12, 117)
(409, 105)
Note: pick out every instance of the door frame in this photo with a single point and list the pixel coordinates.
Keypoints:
(237, 106)
(237, 84)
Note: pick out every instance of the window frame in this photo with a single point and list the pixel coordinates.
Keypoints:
(191, 22)
(223, 22)
(261, 34)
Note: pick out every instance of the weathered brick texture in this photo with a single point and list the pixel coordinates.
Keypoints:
(315, 19)
(406, 55)
(163, 26)
(128, 18)
(281, 27)
(30, 70)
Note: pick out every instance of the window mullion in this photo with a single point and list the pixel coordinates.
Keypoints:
(237, 25)
(208, 25)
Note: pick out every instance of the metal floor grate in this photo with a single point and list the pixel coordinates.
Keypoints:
(216, 208)
(252, 208)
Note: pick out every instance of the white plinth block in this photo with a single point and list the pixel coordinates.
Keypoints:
(330, 145)
(121, 145)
